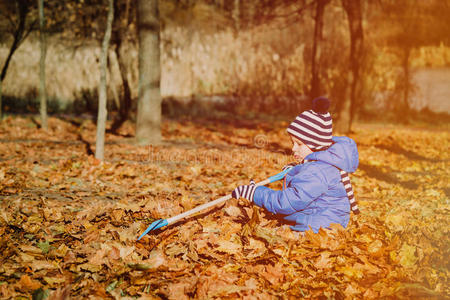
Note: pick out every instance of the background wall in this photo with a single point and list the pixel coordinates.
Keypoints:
(266, 66)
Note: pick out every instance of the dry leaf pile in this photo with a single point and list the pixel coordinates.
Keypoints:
(69, 223)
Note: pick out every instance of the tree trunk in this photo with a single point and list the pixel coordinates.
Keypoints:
(236, 15)
(316, 50)
(354, 15)
(102, 112)
(404, 105)
(121, 23)
(125, 103)
(343, 124)
(43, 44)
(148, 127)
(1, 101)
(19, 34)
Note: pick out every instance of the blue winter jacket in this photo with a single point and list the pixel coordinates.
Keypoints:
(313, 194)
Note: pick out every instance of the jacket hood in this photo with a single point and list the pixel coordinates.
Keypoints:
(342, 154)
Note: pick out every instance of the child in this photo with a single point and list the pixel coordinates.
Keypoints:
(317, 191)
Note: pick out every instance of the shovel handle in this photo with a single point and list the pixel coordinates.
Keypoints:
(161, 223)
(222, 199)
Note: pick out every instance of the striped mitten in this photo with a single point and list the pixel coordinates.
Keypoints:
(245, 191)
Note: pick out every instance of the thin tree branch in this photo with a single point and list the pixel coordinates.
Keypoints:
(11, 21)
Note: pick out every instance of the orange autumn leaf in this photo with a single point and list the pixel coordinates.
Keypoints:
(324, 261)
(28, 283)
(273, 274)
(62, 215)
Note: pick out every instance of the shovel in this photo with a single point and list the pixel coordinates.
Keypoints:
(164, 222)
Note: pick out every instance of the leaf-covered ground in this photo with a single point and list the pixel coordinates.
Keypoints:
(69, 224)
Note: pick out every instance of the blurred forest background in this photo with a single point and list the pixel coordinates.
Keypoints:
(227, 77)
(387, 59)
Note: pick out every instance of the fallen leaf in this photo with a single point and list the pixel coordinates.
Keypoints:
(155, 260)
(30, 249)
(61, 293)
(27, 283)
(273, 274)
(179, 290)
(395, 222)
(114, 253)
(44, 246)
(98, 257)
(37, 265)
(352, 272)
(117, 215)
(228, 247)
(324, 261)
(233, 211)
(126, 251)
(90, 267)
(54, 280)
(351, 290)
(407, 257)
(252, 284)
(375, 246)
(176, 249)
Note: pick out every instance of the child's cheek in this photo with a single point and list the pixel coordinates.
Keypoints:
(304, 151)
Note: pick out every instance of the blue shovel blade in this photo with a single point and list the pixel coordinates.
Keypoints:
(155, 225)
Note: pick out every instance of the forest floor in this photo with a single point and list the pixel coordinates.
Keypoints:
(69, 224)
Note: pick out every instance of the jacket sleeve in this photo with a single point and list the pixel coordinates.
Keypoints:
(304, 188)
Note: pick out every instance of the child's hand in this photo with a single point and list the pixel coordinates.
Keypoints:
(245, 191)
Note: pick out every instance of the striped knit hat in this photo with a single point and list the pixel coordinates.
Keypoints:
(314, 127)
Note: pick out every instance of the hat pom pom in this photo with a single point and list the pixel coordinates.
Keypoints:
(320, 105)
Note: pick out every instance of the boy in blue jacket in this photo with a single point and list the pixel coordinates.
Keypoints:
(317, 191)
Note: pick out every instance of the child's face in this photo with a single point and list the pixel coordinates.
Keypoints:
(299, 149)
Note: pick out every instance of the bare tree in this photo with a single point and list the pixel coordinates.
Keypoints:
(102, 112)
(406, 17)
(16, 12)
(43, 44)
(148, 127)
(119, 38)
(316, 89)
(348, 107)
